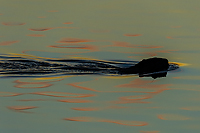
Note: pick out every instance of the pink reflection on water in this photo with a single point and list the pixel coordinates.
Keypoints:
(120, 122)
(8, 43)
(12, 23)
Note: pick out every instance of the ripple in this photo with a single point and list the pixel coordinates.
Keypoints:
(63, 94)
(172, 117)
(120, 122)
(12, 23)
(9, 94)
(75, 101)
(8, 42)
(133, 35)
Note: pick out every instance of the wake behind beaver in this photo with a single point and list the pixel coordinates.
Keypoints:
(20, 66)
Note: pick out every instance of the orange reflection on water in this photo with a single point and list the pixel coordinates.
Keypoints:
(86, 109)
(192, 108)
(20, 84)
(76, 46)
(133, 99)
(75, 101)
(172, 117)
(36, 35)
(41, 29)
(150, 89)
(21, 108)
(12, 23)
(170, 37)
(81, 87)
(133, 35)
(166, 51)
(68, 23)
(63, 94)
(8, 42)
(27, 100)
(74, 40)
(9, 94)
(120, 122)
(45, 29)
(145, 84)
(42, 17)
(128, 45)
(149, 131)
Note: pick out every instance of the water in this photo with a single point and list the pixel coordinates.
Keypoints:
(101, 30)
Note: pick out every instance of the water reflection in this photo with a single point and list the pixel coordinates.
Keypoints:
(133, 35)
(21, 84)
(9, 94)
(12, 23)
(75, 101)
(68, 23)
(172, 117)
(36, 35)
(120, 122)
(46, 29)
(63, 94)
(8, 43)
(21, 108)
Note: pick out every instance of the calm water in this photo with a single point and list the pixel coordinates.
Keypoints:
(104, 30)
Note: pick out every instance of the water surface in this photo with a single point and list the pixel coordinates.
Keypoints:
(102, 30)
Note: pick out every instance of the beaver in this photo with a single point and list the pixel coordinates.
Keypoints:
(152, 67)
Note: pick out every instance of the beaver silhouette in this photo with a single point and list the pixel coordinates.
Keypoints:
(152, 67)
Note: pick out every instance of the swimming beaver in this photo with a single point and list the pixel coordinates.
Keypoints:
(152, 67)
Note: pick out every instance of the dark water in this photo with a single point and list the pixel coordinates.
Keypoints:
(109, 34)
